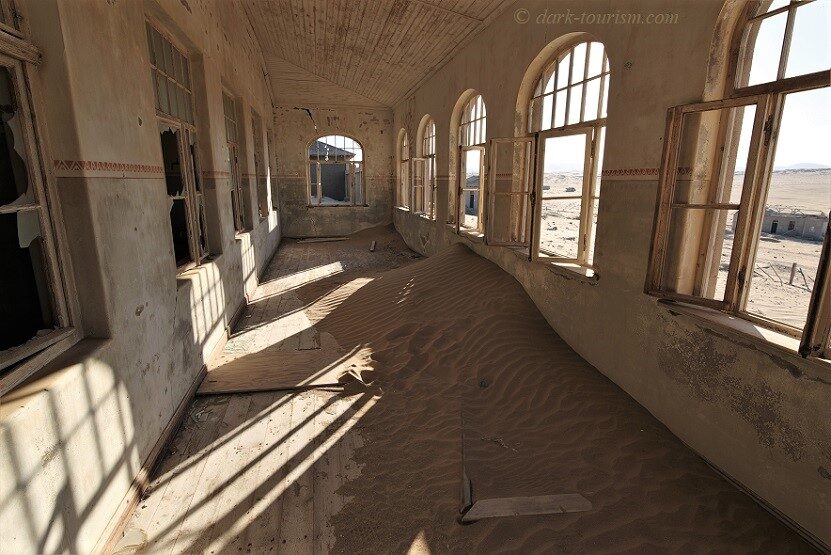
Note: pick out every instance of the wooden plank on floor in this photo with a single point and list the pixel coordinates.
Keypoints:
(523, 506)
(261, 534)
(321, 239)
(327, 501)
(232, 505)
(174, 478)
(195, 515)
(272, 370)
(297, 526)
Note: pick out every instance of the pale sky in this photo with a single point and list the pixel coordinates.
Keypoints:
(805, 133)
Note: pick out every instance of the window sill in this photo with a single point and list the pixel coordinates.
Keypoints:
(337, 206)
(570, 270)
(741, 330)
(475, 236)
(36, 353)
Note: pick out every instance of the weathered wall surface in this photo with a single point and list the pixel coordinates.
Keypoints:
(761, 415)
(373, 129)
(75, 438)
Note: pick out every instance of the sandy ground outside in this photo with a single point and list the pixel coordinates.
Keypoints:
(772, 295)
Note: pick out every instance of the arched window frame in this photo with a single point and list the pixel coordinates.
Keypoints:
(570, 99)
(424, 169)
(470, 143)
(404, 183)
(695, 200)
(354, 165)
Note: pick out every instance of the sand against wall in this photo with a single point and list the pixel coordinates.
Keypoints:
(458, 351)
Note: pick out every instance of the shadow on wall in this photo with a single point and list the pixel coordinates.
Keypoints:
(77, 434)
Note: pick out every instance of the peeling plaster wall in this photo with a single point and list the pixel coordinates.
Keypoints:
(297, 129)
(761, 416)
(73, 440)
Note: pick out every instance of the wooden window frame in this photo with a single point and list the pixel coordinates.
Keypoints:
(229, 109)
(523, 228)
(593, 128)
(259, 178)
(18, 363)
(182, 82)
(472, 135)
(193, 194)
(551, 71)
(355, 169)
(769, 100)
(428, 154)
(589, 197)
(480, 188)
(404, 173)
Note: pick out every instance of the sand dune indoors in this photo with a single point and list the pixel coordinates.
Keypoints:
(459, 350)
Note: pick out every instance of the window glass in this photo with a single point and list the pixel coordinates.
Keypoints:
(582, 81)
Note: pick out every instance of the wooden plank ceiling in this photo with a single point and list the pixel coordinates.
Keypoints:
(360, 52)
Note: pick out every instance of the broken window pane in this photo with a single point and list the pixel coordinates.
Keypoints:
(179, 227)
(25, 305)
(169, 137)
(172, 163)
(14, 177)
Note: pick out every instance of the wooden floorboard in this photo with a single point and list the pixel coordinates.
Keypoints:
(273, 370)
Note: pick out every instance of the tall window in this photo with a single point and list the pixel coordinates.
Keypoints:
(231, 133)
(336, 171)
(568, 114)
(404, 169)
(35, 316)
(170, 71)
(259, 166)
(466, 208)
(424, 171)
(735, 169)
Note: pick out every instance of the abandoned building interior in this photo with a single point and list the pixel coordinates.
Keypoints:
(418, 276)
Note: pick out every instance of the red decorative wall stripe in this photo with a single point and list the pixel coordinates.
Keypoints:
(95, 165)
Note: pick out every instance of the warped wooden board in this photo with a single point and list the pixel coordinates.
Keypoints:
(523, 506)
(322, 239)
(272, 370)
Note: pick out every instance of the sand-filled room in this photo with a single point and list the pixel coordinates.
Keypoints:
(415, 276)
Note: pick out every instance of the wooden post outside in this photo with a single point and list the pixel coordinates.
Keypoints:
(793, 274)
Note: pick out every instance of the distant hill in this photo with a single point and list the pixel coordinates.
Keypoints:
(803, 166)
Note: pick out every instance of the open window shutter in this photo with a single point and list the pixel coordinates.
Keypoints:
(694, 201)
(417, 186)
(510, 176)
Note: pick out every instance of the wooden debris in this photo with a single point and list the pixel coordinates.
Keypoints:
(372, 247)
(322, 239)
(272, 370)
(522, 506)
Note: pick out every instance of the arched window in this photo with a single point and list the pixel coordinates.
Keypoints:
(568, 114)
(731, 165)
(336, 171)
(403, 169)
(466, 208)
(424, 170)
